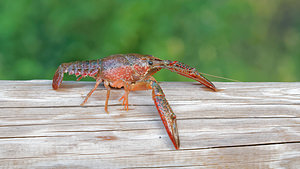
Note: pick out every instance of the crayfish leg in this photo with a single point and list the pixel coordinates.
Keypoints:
(125, 96)
(98, 81)
(106, 84)
(125, 100)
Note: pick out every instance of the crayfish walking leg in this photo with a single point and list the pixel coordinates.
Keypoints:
(98, 81)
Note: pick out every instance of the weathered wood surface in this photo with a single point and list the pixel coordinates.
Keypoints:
(244, 125)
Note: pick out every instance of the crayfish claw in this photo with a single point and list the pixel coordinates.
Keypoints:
(166, 113)
(190, 72)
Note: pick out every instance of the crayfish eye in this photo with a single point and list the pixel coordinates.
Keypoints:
(150, 62)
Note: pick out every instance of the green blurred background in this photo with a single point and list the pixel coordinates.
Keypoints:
(247, 40)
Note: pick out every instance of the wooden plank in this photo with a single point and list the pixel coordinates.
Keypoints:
(248, 125)
(39, 93)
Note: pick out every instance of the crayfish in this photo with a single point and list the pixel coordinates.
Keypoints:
(133, 72)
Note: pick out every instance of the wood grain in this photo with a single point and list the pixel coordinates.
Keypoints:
(243, 125)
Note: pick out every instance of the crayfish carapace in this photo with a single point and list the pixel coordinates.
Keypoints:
(133, 72)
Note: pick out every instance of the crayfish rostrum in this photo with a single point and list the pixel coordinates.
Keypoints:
(133, 72)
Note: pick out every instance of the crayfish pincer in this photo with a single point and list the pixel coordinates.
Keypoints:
(133, 72)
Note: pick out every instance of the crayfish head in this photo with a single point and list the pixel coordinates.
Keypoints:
(151, 64)
(154, 64)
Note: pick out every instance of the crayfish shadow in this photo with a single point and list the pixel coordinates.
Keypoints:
(208, 89)
(69, 85)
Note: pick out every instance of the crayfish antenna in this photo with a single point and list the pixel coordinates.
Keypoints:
(187, 71)
(58, 77)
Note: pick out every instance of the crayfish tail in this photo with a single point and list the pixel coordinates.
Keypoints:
(84, 68)
(57, 78)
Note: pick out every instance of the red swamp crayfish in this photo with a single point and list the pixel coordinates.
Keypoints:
(133, 72)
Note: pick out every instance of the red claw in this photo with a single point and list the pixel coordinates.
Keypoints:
(187, 71)
(166, 113)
